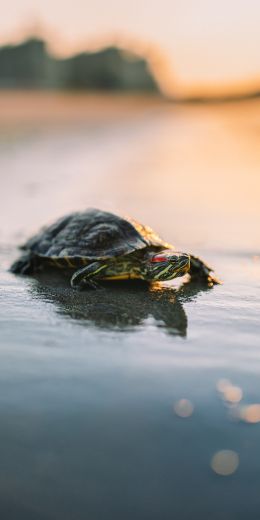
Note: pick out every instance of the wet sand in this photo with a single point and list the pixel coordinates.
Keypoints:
(92, 383)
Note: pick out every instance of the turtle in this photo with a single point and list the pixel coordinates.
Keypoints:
(96, 245)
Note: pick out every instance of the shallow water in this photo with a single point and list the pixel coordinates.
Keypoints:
(90, 423)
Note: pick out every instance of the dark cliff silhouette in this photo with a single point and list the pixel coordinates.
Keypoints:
(29, 65)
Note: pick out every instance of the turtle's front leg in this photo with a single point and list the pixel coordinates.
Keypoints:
(86, 276)
(201, 271)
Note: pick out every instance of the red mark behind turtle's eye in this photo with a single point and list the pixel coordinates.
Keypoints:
(159, 258)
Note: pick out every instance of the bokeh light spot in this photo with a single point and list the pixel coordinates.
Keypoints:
(233, 394)
(183, 408)
(230, 393)
(225, 462)
(250, 413)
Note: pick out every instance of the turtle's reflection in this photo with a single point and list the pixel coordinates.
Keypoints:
(119, 305)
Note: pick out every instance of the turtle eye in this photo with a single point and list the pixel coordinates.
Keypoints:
(159, 258)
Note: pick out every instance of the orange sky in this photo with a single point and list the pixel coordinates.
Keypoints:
(207, 46)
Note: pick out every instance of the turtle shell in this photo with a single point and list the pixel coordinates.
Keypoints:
(94, 235)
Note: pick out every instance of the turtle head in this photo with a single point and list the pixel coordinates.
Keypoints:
(166, 265)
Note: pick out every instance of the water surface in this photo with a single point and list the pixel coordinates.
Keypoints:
(90, 382)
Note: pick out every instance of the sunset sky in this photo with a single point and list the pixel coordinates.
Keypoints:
(207, 46)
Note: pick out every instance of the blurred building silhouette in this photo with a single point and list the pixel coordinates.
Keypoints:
(29, 65)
